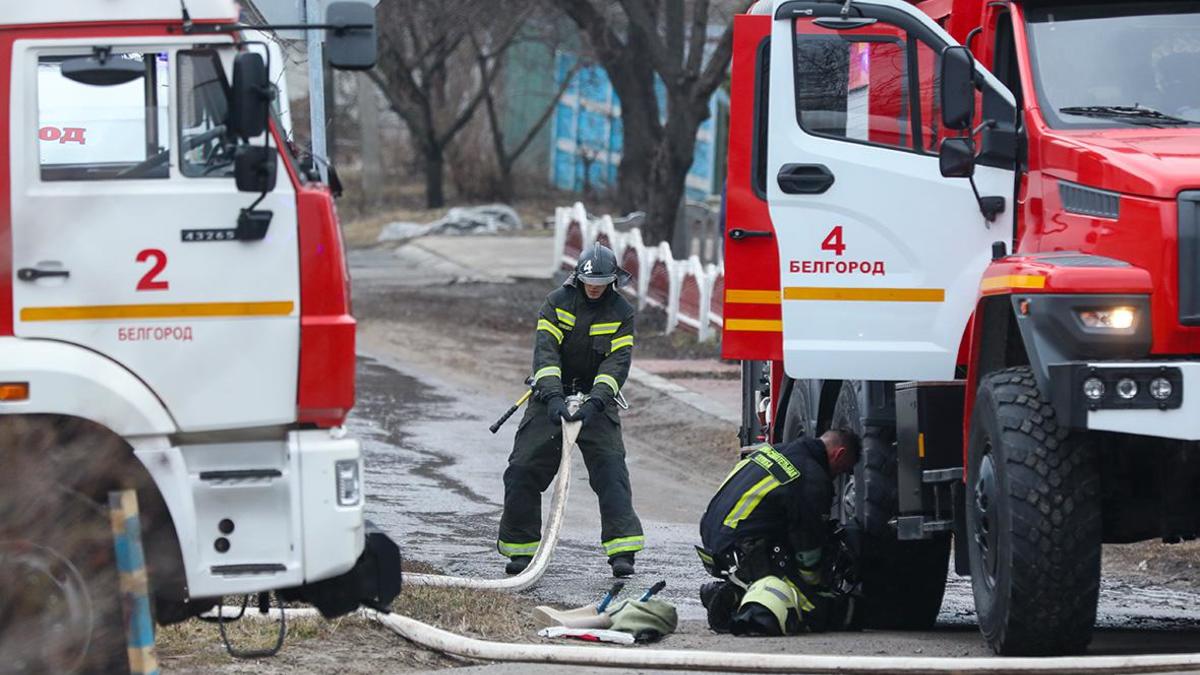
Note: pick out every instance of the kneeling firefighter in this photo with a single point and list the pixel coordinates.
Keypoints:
(766, 534)
(583, 344)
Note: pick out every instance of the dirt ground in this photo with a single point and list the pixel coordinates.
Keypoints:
(462, 350)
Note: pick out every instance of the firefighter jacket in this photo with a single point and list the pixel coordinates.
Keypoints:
(582, 346)
(779, 496)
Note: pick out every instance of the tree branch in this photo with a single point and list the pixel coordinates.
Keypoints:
(545, 116)
(718, 64)
(697, 39)
(643, 26)
(673, 28)
(609, 48)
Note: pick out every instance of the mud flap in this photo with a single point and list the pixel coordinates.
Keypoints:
(374, 581)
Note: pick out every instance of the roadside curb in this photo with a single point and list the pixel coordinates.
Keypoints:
(683, 395)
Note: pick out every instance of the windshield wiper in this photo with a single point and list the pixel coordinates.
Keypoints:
(1133, 114)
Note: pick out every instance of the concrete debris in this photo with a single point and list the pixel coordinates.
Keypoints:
(487, 219)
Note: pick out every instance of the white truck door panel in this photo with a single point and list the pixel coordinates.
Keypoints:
(210, 325)
(880, 255)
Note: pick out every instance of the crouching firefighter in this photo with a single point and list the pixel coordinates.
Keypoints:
(766, 534)
(583, 344)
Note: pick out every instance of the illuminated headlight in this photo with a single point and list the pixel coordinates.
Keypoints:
(1127, 388)
(1117, 318)
(349, 487)
(1093, 388)
(1161, 389)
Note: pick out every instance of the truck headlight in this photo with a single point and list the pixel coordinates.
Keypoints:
(1127, 388)
(349, 486)
(1119, 318)
(1161, 389)
(1093, 388)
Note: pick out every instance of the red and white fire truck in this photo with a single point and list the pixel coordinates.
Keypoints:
(987, 261)
(175, 317)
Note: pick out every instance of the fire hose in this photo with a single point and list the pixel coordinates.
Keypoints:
(446, 642)
(558, 506)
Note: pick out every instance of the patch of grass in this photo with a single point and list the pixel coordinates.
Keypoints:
(198, 643)
(195, 645)
(490, 615)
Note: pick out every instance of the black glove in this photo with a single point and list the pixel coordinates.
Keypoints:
(589, 409)
(556, 408)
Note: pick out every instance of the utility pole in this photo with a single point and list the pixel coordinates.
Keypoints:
(316, 85)
(372, 155)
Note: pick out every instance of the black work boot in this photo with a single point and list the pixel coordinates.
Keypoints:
(517, 564)
(622, 565)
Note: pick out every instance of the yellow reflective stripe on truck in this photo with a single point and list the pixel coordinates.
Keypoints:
(182, 310)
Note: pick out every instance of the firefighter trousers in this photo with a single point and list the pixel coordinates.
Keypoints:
(531, 468)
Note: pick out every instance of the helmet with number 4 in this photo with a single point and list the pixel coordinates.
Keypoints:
(598, 266)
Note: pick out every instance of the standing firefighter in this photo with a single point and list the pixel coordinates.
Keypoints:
(583, 344)
(766, 532)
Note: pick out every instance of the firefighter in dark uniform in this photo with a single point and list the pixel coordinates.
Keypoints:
(770, 519)
(583, 344)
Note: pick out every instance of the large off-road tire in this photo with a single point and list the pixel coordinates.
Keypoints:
(61, 610)
(1033, 521)
(903, 581)
(795, 419)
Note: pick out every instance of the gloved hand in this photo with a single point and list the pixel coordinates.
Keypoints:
(590, 408)
(556, 409)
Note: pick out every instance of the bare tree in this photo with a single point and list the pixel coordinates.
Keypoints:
(635, 41)
(418, 44)
(506, 157)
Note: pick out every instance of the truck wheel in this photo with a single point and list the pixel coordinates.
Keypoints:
(795, 420)
(1033, 521)
(62, 608)
(903, 581)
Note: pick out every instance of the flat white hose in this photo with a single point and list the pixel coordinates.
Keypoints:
(445, 642)
(670, 659)
(537, 566)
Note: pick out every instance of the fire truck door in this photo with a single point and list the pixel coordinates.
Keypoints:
(880, 255)
(124, 207)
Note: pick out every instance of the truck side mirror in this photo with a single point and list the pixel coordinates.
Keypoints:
(957, 158)
(250, 96)
(958, 88)
(254, 168)
(352, 43)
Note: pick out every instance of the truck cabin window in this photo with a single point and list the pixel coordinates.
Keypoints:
(875, 86)
(93, 132)
(206, 147)
(1084, 81)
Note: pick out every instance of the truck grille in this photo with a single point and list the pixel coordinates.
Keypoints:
(1189, 258)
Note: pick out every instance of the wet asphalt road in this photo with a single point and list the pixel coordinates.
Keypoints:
(434, 484)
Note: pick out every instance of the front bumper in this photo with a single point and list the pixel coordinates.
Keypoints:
(1176, 417)
(260, 514)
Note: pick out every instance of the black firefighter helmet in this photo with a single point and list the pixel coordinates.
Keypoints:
(598, 266)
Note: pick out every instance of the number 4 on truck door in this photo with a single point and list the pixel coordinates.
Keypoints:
(883, 254)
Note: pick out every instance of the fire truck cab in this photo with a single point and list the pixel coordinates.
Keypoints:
(174, 317)
(992, 277)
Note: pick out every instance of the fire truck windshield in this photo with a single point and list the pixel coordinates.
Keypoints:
(1117, 64)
